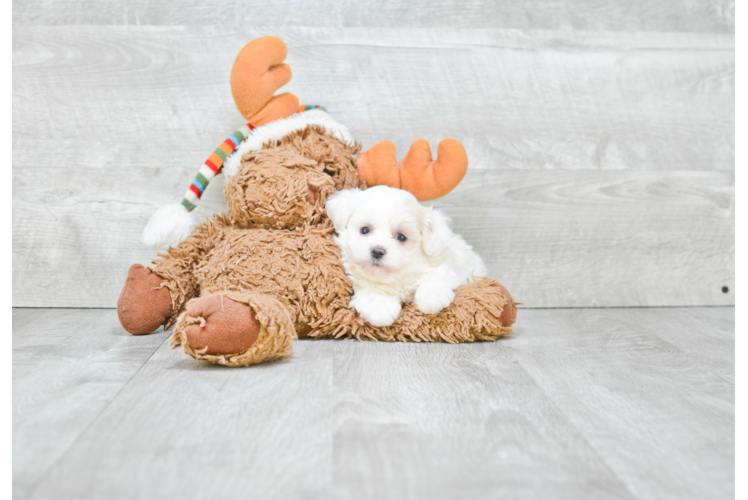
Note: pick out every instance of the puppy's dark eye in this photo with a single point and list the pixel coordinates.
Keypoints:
(365, 230)
(401, 237)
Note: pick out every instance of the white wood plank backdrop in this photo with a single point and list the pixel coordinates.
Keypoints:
(556, 238)
(709, 16)
(601, 162)
(119, 97)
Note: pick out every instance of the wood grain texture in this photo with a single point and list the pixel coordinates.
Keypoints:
(184, 429)
(579, 239)
(430, 421)
(554, 238)
(738, 191)
(635, 395)
(75, 237)
(577, 404)
(122, 97)
(23, 317)
(740, 337)
(68, 365)
(555, 124)
(715, 16)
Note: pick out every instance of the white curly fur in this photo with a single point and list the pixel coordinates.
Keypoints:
(395, 250)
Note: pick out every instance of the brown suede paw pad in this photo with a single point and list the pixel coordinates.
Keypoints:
(144, 304)
(225, 326)
(509, 314)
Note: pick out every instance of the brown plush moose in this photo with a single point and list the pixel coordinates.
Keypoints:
(248, 282)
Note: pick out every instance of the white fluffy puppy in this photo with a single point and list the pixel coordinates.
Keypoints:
(396, 250)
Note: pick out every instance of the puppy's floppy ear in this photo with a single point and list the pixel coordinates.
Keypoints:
(436, 231)
(340, 207)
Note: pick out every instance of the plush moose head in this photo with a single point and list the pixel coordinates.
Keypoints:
(286, 186)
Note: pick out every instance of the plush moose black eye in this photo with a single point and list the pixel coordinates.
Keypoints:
(401, 237)
(365, 230)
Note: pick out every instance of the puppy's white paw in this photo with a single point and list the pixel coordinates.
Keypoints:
(377, 310)
(431, 300)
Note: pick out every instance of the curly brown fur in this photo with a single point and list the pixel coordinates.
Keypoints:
(333, 156)
(177, 265)
(302, 269)
(252, 194)
(276, 243)
(270, 191)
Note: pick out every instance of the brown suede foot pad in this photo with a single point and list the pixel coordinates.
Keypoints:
(234, 329)
(509, 313)
(144, 304)
(225, 326)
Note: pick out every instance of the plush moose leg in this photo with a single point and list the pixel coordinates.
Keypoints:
(234, 329)
(239, 329)
(150, 299)
(144, 304)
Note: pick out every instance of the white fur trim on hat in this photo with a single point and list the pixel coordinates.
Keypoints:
(280, 128)
(168, 226)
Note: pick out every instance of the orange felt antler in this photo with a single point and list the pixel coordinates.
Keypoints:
(418, 173)
(258, 72)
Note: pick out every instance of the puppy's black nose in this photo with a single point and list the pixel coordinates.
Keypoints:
(378, 252)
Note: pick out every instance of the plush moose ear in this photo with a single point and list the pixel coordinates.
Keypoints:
(436, 231)
(340, 207)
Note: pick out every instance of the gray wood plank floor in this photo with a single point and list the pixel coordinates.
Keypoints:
(579, 403)
(68, 365)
